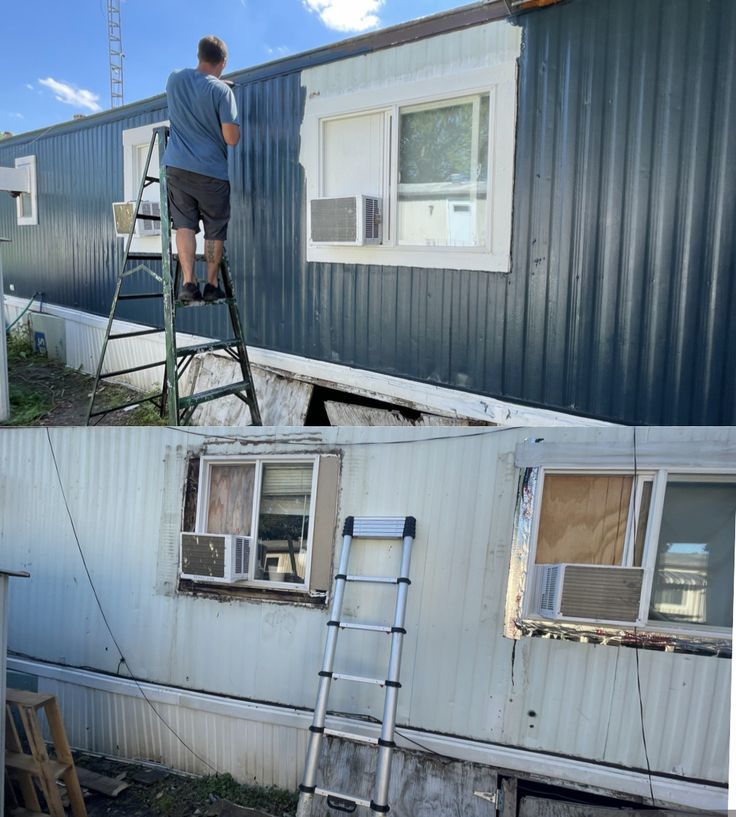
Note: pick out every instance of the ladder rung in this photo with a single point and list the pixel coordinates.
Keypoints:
(373, 579)
(212, 346)
(140, 296)
(145, 217)
(133, 369)
(351, 798)
(360, 679)
(152, 179)
(206, 303)
(27, 763)
(376, 628)
(213, 394)
(143, 256)
(135, 334)
(336, 733)
(120, 406)
(379, 527)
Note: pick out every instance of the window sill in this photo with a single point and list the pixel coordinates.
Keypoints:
(647, 638)
(457, 258)
(250, 592)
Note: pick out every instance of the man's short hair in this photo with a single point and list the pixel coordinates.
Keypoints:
(211, 50)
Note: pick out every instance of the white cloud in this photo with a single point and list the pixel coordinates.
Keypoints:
(17, 115)
(346, 15)
(278, 51)
(70, 95)
(29, 86)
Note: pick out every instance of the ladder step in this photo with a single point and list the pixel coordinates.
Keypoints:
(349, 798)
(372, 579)
(143, 256)
(212, 346)
(153, 179)
(213, 394)
(135, 334)
(140, 296)
(360, 679)
(205, 303)
(27, 763)
(336, 733)
(133, 369)
(379, 527)
(376, 628)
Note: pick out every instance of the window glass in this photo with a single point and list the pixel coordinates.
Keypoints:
(230, 501)
(583, 519)
(26, 205)
(693, 578)
(283, 521)
(443, 173)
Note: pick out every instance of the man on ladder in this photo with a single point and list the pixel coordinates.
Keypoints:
(204, 121)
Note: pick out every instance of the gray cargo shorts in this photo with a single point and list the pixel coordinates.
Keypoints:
(194, 197)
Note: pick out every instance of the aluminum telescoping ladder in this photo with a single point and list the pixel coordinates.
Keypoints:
(177, 408)
(369, 527)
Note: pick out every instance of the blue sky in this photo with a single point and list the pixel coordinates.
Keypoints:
(54, 60)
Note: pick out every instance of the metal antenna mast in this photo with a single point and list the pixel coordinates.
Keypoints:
(115, 49)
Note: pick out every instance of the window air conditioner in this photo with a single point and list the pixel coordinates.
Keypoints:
(123, 215)
(346, 220)
(590, 592)
(214, 557)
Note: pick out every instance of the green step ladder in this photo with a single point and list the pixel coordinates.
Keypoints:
(176, 407)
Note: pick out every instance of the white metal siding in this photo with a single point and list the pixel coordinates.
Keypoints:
(460, 676)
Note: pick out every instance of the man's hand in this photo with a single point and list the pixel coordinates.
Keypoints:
(231, 134)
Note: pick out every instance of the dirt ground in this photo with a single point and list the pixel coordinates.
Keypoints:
(155, 792)
(44, 392)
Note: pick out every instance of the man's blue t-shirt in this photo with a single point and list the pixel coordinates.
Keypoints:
(199, 104)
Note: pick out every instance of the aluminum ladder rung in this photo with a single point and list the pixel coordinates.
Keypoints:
(372, 579)
(352, 625)
(379, 527)
(337, 733)
(359, 679)
(350, 798)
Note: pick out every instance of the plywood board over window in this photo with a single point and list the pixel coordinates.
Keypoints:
(583, 519)
(230, 507)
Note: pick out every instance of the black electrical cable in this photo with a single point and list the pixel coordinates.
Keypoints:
(123, 660)
(636, 650)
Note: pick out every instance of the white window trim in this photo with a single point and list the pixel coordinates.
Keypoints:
(519, 593)
(499, 82)
(203, 501)
(132, 138)
(28, 162)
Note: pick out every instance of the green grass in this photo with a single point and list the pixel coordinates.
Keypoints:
(193, 793)
(28, 401)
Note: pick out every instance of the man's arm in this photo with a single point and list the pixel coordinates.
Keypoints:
(231, 134)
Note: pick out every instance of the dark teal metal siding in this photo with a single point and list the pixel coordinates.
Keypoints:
(625, 205)
(622, 286)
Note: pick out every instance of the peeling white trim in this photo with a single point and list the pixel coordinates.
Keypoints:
(421, 396)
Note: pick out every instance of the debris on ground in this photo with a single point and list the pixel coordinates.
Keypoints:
(153, 791)
(45, 392)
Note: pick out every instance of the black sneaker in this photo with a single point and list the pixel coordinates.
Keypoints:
(189, 293)
(213, 293)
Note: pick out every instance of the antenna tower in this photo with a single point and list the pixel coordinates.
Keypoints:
(115, 49)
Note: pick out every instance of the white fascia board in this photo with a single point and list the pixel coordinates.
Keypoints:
(15, 179)
(578, 774)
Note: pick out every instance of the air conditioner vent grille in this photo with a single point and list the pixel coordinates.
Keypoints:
(611, 593)
(334, 219)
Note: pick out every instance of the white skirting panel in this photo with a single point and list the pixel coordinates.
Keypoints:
(284, 405)
(265, 745)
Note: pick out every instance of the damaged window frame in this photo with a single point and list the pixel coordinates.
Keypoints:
(522, 616)
(324, 492)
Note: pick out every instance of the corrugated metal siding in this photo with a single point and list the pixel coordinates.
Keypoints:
(624, 259)
(460, 676)
(625, 198)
